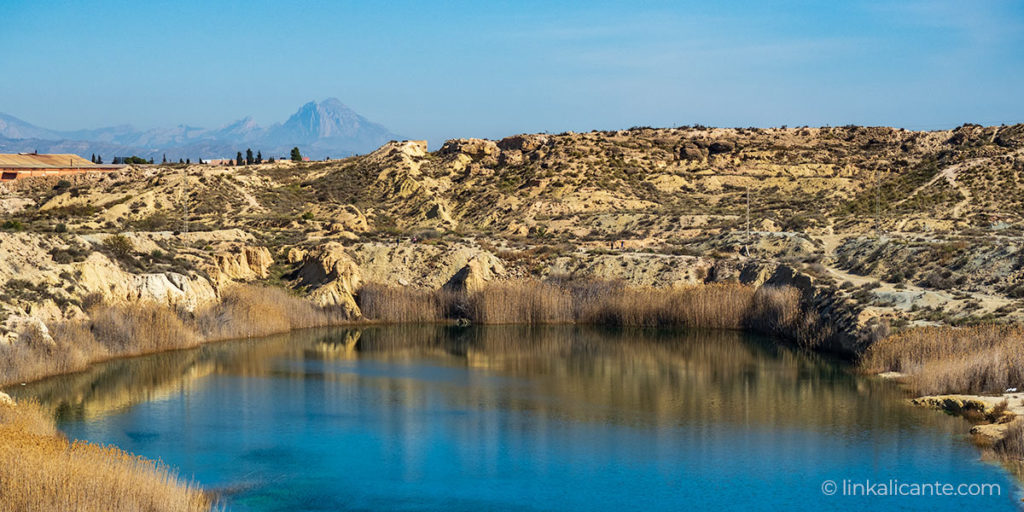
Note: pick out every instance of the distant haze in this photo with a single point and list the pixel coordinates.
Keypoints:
(438, 70)
(323, 129)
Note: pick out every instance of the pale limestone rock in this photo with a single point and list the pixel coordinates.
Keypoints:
(31, 331)
(413, 148)
(419, 265)
(334, 276)
(6, 400)
(511, 157)
(349, 218)
(989, 433)
(480, 270)
(476, 148)
(99, 275)
(460, 161)
(524, 143)
(45, 311)
(441, 212)
(241, 263)
(296, 255)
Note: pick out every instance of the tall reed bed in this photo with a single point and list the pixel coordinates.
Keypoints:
(126, 330)
(981, 359)
(249, 311)
(41, 471)
(521, 302)
(721, 306)
(401, 305)
(769, 310)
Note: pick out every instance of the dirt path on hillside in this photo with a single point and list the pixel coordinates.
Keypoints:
(949, 174)
(907, 295)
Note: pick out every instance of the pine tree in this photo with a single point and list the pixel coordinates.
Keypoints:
(180, 161)
(238, 159)
(248, 157)
(296, 156)
(99, 159)
(259, 157)
(93, 159)
(188, 161)
(165, 159)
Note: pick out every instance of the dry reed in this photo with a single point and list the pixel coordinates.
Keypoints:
(1011, 446)
(126, 330)
(250, 311)
(41, 471)
(400, 305)
(979, 359)
(521, 302)
(770, 310)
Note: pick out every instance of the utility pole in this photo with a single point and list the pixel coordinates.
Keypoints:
(748, 221)
(184, 199)
(878, 204)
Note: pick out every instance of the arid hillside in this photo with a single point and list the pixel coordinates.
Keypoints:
(896, 227)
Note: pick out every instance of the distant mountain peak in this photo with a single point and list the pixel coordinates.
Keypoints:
(328, 119)
(334, 103)
(325, 128)
(13, 128)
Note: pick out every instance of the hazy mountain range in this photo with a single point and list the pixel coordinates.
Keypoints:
(324, 129)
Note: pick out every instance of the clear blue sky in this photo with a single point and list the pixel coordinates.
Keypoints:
(445, 69)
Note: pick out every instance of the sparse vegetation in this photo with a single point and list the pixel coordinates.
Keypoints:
(119, 245)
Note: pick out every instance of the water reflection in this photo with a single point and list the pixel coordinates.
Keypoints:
(588, 374)
(514, 417)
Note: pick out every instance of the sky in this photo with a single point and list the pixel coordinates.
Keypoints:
(439, 70)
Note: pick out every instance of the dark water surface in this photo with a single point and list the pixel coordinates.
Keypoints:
(516, 418)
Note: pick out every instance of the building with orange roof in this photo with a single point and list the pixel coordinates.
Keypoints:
(28, 165)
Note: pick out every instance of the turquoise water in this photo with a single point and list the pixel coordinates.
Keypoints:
(510, 418)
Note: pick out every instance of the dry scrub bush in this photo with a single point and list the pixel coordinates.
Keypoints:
(41, 471)
(979, 359)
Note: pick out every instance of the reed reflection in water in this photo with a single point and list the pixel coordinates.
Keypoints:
(513, 417)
